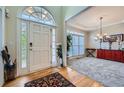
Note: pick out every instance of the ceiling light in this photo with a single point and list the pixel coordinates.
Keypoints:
(100, 35)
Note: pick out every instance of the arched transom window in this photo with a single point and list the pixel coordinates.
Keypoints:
(38, 14)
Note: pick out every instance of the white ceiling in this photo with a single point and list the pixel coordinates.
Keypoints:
(89, 20)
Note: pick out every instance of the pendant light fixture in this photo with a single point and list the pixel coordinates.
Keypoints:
(100, 35)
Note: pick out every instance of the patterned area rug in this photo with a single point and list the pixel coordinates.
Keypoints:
(52, 80)
(108, 73)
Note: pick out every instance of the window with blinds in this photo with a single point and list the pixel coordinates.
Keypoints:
(77, 47)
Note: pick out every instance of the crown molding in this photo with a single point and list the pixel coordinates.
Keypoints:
(93, 28)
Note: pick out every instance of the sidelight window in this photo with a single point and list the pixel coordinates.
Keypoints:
(24, 42)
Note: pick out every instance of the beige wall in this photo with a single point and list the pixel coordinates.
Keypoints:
(11, 26)
(70, 28)
(59, 13)
(111, 30)
(70, 11)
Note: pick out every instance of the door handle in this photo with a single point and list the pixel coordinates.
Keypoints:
(30, 44)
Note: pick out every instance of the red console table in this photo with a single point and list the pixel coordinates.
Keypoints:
(114, 55)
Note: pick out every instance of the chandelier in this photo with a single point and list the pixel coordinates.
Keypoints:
(99, 37)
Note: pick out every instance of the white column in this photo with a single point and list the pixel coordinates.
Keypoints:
(64, 44)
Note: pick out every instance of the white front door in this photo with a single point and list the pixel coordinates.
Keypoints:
(39, 47)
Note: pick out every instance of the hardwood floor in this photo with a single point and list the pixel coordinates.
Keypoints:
(74, 77)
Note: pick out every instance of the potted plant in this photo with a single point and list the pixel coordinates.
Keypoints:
(59, 49)
(59, 54)
(69, 43)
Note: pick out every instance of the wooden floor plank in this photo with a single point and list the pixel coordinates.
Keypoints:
(76, 78)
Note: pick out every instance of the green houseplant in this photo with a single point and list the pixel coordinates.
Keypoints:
(59, 54)
(59, 48)
(69, 42)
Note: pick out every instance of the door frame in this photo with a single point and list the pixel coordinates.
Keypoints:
(19, 70)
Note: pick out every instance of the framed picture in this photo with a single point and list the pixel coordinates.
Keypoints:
(114, 38)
